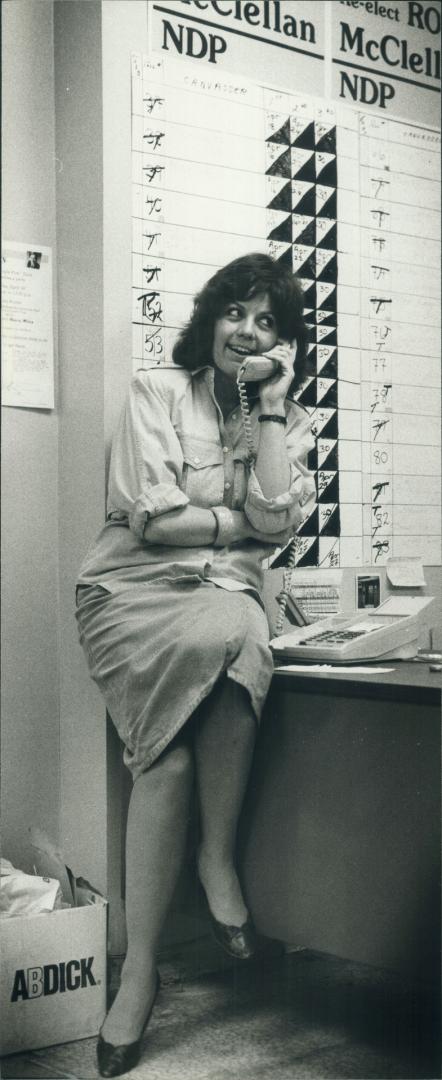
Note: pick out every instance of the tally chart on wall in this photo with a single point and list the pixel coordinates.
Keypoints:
(223, 166)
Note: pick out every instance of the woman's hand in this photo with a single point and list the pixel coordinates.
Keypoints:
(273, 391)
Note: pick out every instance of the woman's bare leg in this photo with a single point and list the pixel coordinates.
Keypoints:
(224, 740)
(155, 842)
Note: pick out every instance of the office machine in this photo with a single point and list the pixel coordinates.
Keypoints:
(390, 631)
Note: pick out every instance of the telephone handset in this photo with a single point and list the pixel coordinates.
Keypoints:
(253, 369)
(256, 368)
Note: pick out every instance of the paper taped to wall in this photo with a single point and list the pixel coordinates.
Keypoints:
(405, 572)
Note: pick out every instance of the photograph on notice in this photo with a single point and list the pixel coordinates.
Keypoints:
(33, 260)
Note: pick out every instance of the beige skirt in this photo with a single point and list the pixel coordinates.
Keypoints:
(156, 650)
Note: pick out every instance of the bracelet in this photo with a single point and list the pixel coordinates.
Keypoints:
(275, 417)
(226, 525)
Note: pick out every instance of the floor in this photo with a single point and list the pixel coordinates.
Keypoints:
(283, 1017)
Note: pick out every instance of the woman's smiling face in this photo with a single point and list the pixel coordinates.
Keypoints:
(246, 327)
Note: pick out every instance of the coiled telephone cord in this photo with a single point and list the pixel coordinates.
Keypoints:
(245, 413)
(251, 458)
(285, 591)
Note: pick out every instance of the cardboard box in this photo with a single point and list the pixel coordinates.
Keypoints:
(52, 976)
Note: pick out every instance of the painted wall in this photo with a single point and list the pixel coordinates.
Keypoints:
(67, 169)
(54, 726)
(78, 112)
(93, 42)
(30, 564)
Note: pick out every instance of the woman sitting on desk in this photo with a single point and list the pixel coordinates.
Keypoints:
(169, 603)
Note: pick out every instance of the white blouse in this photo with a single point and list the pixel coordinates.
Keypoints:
(172, 447)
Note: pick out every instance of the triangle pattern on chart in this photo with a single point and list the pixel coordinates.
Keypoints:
(286, 259)
(327, 486)
(283, 199)
(309, 290)
(310, 555)
(326, 201)
(326, 317)
(300, 158)
(325, 137)
(273, 218)
(303, 235)
(282, 135)
(302, 252)
(322, 159)
(327, 361)
(310, 527)
(304, 268)
(324, 193)
(323, 256)
(330, 239)
(306, 171)
(330, 429)
(304, 138)
(311, 351)
(301, 222)
(327, 450)
(274, 184)
(311, 356)
(323, 389)
(323, 226)
(330, 399)
(282, 232)
(328, 174)
(329, 523)
(307, 395)
(311, 460)
(328, 271)
(281, 166)
(327, 295)
(301, 188)
(276, 248)
(326, 334)
(307, 204)
(307, 236)
(322, 419)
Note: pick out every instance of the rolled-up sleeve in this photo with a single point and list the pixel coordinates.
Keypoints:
(290, 508)
(146, 460)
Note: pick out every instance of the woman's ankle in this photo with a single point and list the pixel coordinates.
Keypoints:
(221, 884)
(127, 1015)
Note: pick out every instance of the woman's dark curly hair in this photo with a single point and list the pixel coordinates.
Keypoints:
(238, 281)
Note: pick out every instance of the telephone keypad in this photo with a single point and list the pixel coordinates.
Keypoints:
(333, 637)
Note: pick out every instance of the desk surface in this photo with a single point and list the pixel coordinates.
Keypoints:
(408, 681)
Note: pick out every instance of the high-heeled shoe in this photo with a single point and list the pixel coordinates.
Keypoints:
(115, 1060)
(237, 941)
